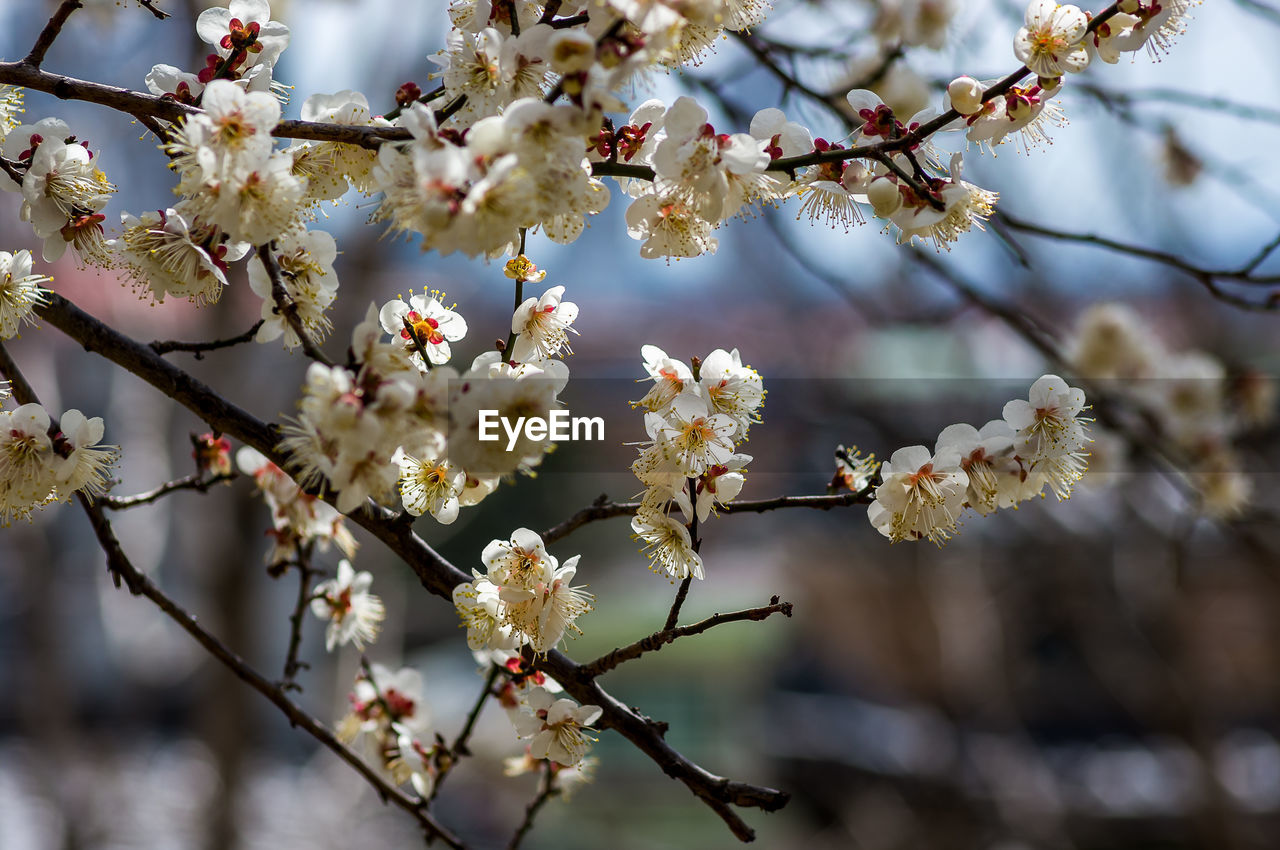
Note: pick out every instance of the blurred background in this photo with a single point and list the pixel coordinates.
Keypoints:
(1098, 674)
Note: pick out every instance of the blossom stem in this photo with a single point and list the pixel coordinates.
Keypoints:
(511, 338)
(287, 307)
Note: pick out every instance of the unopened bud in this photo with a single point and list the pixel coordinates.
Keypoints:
(884, 196)
(966, 95)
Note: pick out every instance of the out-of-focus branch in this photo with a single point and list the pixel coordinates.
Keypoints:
(659, 639)
(458, 748)
(1209, 278)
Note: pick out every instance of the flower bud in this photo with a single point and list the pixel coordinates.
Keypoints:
(884, 196)
(966, 95)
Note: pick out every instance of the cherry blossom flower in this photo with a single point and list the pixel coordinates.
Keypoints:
(430, 485)
(668, 544)
(28, 471)
(920, 496)
(557, 726)
(83, 464)
(305, 259)
(731, 388)
(244, 28)
(170, 254)
(986, 456)
(1052, 40)
(542, 326)
(430, 325)
(1050, 433)
(20, 291)
(354, 614)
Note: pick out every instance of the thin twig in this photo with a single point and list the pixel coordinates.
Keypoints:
(459, 746)
(1209, 278)
(50, 32)
(159, 13)
(604, 509)
(292, 666)
(198, 348)
(195, 481)
(546, 790)
(657, 640)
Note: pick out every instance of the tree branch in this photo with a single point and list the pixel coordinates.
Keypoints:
(195, 481)
(287, 307)
(601, 508)
(198, 348)
(50, 32)
(669, 633)
(546, 790)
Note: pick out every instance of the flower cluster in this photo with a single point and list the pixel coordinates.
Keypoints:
(695, 417)
(1189, 397)
(20, 292)
(63, 189)
(557, 726)
(42, 462)
(524, 597)
(300, 521)
(389, 719)
(1039, 443)
(353, 613)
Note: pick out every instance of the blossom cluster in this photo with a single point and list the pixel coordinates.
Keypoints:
(43, 461)
(695, 418)
(1189, 397)
(1040, 442)
(300, 521)
(389, 720)
(523, 598)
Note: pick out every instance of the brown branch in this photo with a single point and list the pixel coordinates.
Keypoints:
(159, 13)
(292, 666)
(198, 348)
(195, 481)
(11, 169)
(50, 32)
(657, 640)
(601, 508)
(434, 572)
(546, 790)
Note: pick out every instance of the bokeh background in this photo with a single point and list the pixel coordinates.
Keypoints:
(1101, 673)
